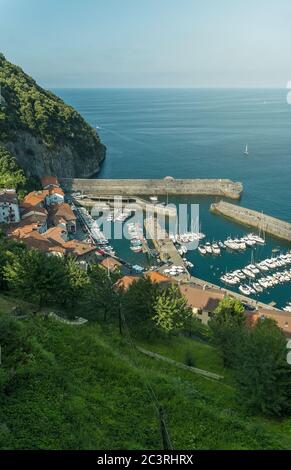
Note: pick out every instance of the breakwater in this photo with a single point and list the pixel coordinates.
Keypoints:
(154, 187)
(276, 227)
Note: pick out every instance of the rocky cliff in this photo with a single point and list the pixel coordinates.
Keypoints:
(45, 135)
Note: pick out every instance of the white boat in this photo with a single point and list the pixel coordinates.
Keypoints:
(208, 248)
(246, 152)
(215, 249)
(244, 289)
(202, 250)
(257, 287)
(248, 273)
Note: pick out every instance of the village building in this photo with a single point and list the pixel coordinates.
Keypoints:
(203, 302)
(81, 251)
(9, 208)
(111, 264)
(126, 281)
(56, 235)
(32, 222)
(62, 215)
(49, 182)
(55, 196)
(36, 198)
(282, 318)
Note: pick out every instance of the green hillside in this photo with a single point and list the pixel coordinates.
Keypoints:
(40, 128)
(82, 387)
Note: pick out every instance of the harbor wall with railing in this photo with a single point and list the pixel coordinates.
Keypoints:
(276, 227)
(155, 187)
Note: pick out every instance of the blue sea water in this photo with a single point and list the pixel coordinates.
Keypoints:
(200, 133)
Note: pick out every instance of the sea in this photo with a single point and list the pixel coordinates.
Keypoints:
(200, 133)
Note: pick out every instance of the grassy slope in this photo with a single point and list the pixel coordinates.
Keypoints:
(90, 393)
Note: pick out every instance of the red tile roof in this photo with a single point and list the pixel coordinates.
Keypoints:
(282, 318)
(110, 263)
(201, 299)
(47, 181)
(62, 211)
(36, 198)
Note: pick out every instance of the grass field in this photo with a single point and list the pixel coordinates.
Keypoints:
(89, 389)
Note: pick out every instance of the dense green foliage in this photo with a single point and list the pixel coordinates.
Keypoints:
(258, 355)
(171, 310)
(226, 327)
(84, 388)
(262, 373)
(87, 387)
(27, 107)
(11, 175)
(138, 306)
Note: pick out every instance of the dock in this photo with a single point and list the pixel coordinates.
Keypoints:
(134, 204)
(167, 186)
(265, 223)
(165, 247)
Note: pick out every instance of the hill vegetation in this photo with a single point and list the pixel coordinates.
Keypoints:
(37, 119)
(70, 386)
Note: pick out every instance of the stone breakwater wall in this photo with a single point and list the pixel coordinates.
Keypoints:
(155, 187)
(276, 227)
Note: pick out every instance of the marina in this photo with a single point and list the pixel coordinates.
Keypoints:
(180, 261)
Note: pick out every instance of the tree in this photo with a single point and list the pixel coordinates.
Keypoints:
(226, 326)
(11, 175)
(36, 277)
(262, 373)
(138, 305)
(76, 284)
(102, 292)
(171, 309)
(8, 248)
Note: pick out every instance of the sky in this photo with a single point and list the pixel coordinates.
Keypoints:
(149, 43)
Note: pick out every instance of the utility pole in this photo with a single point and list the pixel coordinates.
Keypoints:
(119, 317)
(166, 442)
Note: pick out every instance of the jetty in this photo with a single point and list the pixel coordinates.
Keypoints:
(167, 186)
(165, 247)
(134, 204)
(266, 223)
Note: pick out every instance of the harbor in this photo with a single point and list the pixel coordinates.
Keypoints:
(237, 250)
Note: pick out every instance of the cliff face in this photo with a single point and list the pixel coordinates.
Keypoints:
(63, 160)
(45, 135)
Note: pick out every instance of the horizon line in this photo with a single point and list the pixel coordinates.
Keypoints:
(164, 88)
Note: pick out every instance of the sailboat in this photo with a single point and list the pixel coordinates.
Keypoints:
(246, 152)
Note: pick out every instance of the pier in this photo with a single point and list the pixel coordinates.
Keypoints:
(165, 247)
(134, 204)
(275, 227)
(168, 186)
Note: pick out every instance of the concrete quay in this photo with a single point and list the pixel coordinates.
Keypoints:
(154, 187)
(275, 227)
(165, 247)
(134, 204)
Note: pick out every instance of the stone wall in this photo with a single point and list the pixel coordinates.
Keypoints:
(155, 187)
(266, 223)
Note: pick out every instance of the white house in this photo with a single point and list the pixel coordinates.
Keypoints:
(55, 196)
(9, 209)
